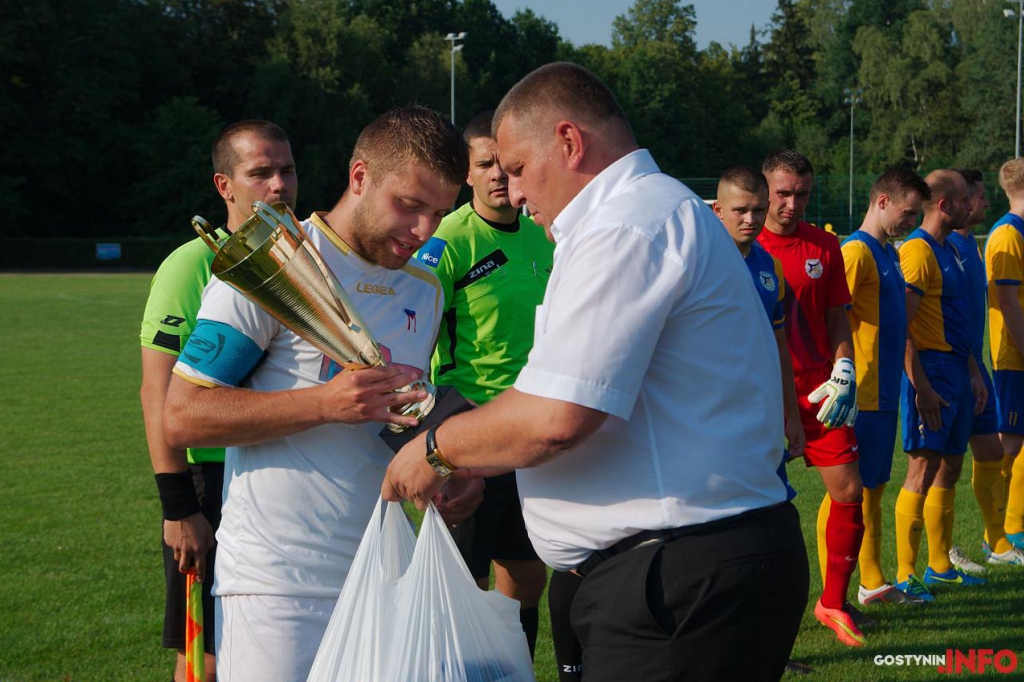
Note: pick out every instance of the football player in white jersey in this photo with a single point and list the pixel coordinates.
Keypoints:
(304, 463)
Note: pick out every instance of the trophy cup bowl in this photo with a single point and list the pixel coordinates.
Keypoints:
(271, 261)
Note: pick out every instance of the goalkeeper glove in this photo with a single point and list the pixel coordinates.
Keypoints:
(839, 394)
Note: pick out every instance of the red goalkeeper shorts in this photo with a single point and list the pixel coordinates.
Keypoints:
(825, 447)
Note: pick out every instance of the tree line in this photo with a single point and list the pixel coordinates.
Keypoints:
(108, 107)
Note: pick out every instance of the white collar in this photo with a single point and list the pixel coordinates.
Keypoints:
(605, 184)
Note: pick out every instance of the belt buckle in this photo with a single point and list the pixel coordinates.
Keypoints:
(647, 543)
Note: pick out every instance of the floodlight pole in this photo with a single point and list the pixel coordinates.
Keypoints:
(852, 98)
(453, 38)
(1020, 38)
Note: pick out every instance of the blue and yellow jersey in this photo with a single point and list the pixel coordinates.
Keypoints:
(934, 272)
(771, 287)
(977, 287)
(1004, 261)
(878, 319)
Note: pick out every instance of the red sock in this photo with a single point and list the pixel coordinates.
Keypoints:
(843, 534)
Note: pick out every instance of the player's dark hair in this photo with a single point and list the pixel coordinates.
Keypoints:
(747, 178)
(479, 126)
(788, 160)
(412, 134)
(566, 88)
(226, 157)
(897, 182)
(971, 176)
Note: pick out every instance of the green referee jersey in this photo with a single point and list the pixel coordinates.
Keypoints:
(493, 278)
(175, 295)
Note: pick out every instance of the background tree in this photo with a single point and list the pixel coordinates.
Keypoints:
(118, 100)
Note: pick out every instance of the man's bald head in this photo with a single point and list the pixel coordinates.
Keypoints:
(950, 204)
(944, 184)
(565, 91)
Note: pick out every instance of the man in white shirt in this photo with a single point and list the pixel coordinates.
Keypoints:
(647, 424)
(304, 461)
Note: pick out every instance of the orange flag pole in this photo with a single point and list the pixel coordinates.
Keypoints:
(195, 668)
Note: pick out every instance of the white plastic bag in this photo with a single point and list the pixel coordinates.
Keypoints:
(411, 612)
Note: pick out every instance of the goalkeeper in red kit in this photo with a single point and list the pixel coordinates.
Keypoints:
(821, 346)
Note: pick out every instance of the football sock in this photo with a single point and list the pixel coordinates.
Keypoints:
(938, 522)
(1015, 498)
(1008, 470)
(843, 534)
(823, 509)
(909, 524)
(870, 559)
(528, 619)
(990, 491)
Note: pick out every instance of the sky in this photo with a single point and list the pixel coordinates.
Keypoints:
(590, 21)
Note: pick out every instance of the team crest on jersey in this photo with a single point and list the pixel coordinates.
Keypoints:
(814, 268)
(767, 280)
(410, 320)
(959, 263)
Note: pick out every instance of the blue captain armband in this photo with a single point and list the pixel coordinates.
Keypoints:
(221, 352)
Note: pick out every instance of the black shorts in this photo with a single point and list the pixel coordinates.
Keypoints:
(496, 529)
(209, 481)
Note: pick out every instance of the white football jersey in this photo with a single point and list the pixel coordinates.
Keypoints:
(295, 508)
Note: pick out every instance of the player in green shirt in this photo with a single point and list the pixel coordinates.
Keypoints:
(493, 264)
(252, 161)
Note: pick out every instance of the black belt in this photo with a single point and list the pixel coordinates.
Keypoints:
(645, 538)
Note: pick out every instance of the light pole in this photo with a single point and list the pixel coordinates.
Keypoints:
(1020, 33)
(453, 38)
(852, 98)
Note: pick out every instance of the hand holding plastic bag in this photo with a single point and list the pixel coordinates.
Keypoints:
(411, 612)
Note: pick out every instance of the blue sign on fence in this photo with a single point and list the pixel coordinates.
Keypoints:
(108, 252)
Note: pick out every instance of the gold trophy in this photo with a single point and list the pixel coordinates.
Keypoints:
(270, 261)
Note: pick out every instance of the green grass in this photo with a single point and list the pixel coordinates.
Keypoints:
(79, 531)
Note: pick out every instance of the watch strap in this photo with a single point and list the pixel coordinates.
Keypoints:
(435, 459)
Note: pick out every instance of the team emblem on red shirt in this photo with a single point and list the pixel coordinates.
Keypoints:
(813, 268)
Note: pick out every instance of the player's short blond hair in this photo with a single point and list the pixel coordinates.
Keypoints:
(1011, 177)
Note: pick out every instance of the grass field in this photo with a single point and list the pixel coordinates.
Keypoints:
(82, 596)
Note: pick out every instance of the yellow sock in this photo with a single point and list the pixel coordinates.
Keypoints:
(1007, 472)
(938, 521)
(870, 560)
(990, 491)
(826, 504)
(1015, 498)
(909, 524)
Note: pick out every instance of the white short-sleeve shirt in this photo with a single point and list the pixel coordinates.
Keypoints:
(650, 316)
(295, 508)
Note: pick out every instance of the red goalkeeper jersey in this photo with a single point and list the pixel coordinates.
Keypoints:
(812, 264)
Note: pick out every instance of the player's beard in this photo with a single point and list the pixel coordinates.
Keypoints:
(371, 242)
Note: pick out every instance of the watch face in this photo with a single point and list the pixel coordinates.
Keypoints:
(441, 469)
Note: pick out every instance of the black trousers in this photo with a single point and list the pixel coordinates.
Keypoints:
(568, 652)
(719, 604)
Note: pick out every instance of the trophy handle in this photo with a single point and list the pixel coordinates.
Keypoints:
(206, 231)
(286, 219)
(268, 213)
